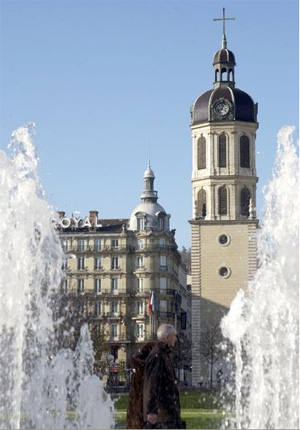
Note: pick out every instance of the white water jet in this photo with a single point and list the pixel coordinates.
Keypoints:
(263, 324)
(41, 386)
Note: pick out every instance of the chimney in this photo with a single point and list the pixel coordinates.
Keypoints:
(93, 217)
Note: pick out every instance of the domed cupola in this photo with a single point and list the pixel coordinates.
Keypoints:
(224, 102)
(224, 56)
(149, 215)
(224, 62)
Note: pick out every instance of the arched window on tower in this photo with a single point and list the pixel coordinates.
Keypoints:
(202, 203)
(222, 201)
(222, 150)
(244, 151)
(201, 149)
(223, 73)
(245, 202)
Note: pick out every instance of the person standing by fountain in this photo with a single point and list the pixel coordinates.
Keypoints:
(135, 404)
(160, 394)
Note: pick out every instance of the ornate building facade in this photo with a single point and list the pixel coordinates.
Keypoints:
(223, 226)
(129, 274)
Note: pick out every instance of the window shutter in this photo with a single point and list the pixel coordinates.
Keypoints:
(245, 201)
(201, 153)
(244, 152)
(202, 203)
(222, 151)
(222, 201)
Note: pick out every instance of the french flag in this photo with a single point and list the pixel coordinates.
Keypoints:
(151, 303)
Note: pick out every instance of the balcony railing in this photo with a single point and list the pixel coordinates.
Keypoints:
(138, 315)
(112, 314)
(120, 248)
(92, 294)
(123, 337)
(167, 292)
(103, 249)
(166, 314)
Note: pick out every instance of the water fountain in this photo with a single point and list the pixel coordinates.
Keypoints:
(263, 324)
(42, 385)
(39, 381)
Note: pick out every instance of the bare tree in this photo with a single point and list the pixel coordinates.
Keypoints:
(210, 346)
(182, 351)
(72, 310)
(99, 337)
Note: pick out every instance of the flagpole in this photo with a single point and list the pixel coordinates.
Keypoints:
(175, 309)
(152, 314)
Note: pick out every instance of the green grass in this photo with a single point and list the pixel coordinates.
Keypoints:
(199, 400)
(199, 410)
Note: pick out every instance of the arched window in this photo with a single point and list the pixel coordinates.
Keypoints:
(201, 149)
(223, 73)
(245, 201)
(222, 150)
(161, 220)
(202, 203)
(140, 221)
(244, 152)
(223, 201)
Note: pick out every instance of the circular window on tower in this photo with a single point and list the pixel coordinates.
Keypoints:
(224, 239)
(224, 272)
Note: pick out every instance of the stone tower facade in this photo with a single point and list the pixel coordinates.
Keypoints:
(223, 226)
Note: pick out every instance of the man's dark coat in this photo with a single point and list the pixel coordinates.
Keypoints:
(160, 394)
(135, 418)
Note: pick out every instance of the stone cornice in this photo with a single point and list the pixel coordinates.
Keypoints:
(223, 222)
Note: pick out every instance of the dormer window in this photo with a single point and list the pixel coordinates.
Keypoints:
(161, 220)
(140, 223)
(161, 223)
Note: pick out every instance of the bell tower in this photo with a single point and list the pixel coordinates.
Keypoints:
(223, 225)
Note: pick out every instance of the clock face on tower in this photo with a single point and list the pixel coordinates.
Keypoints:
(221, 108)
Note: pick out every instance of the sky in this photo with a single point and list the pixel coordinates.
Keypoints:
(110, 84)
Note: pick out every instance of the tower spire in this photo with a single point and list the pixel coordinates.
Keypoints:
(224, 40)
(148, 193)
(149, 164)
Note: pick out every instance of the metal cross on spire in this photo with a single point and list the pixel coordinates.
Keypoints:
(224, 41)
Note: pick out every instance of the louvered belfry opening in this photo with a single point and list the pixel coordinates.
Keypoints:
(222, 151)
(223, 201)
(201, 153)
(244, 152)
(245, 202)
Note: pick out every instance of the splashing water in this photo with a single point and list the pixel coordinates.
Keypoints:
(41, 386)
(263, 324)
